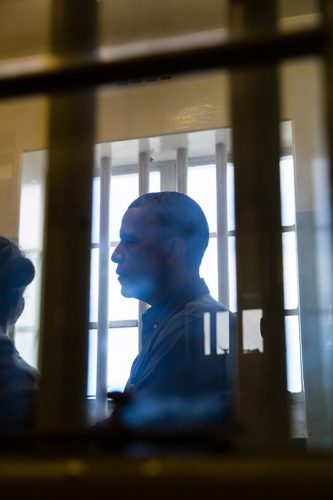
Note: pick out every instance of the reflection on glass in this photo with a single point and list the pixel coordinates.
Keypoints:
(252, 338)
(202, 188)
(222, 332)
(206, 320)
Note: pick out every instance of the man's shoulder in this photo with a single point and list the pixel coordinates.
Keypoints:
(195, 309)
(205, 303)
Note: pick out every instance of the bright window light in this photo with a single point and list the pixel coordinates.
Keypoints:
(293, 347)
(123, 347)
(120, 308)
(124, 189)
(30, 234)
(232, 273)
(202, 188)
(287, 184)
(208, 269)
(231, 197)
(95, 210)
(92, 363)
(290, 270)
(94, 276)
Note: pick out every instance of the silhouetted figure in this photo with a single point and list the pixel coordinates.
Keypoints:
(179, 377)
(18, 380)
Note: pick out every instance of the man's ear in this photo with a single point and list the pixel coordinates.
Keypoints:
(175, 250)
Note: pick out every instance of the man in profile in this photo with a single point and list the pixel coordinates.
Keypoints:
(163, 238)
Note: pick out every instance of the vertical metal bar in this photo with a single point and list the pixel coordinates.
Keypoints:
(255, 120)
(182, 164)
(65, 295)
(222, 223)
(103, 282)
(328, 354)
(143, 188)
(143, 172)
(328, 17)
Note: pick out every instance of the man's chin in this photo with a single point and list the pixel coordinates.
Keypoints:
(127, 292)
(134, 292)
(130, 291)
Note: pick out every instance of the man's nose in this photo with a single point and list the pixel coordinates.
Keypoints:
(117, 255)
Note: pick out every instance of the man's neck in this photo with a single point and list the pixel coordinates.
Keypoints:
(173, 284)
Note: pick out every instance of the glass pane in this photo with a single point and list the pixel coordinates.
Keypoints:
(293, 346)
(92, 363)
(296, 15)
(32, 200)
(154, 182)
(124, 189)
(231, 197)
(252, 338)
(232, 273)
(287, 183)
(95, 210)
(209, 267)
(311, 254)
(222, 332)
(31, 225)
(202, 188)
(24, 28)
(123, 347)
(122, 22)
(290, 270)
(30, 316)
(94, 277)
(120, 307)
(26, 343)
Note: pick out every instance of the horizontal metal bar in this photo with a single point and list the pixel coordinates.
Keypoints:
(153, 58)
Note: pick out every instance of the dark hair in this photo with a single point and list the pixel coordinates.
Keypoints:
(16, 272)
(181, 216)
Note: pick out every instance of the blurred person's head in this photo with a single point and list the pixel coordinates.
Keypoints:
(163, 238)
(16, 272)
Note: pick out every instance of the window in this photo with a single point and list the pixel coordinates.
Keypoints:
(123, 314)
(30, 240)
